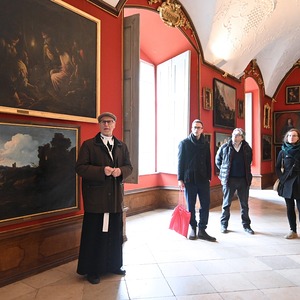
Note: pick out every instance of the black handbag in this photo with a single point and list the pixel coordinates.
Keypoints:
(280, 189)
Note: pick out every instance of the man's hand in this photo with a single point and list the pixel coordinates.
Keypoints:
(116, 172)
(181, 184)
(108, 170)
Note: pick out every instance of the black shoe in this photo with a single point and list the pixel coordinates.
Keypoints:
(202, 234)
(120, 272)
(248, 230)
(224, 229)
(93, 279)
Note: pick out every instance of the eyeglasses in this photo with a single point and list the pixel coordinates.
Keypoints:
(109, 122)
(196, 127)
(292, 135)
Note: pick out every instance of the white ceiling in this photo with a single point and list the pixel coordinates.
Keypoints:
(233, 32)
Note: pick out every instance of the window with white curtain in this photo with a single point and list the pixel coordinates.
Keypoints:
(163, 124)
(173, 106)
(147, 119)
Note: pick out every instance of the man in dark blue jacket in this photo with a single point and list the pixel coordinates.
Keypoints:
(234, 159)
(194, 174)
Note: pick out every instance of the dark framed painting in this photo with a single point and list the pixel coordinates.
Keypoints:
(37, 171)
(292, 94)
(224, 100)
(220, 139)
(284, 121)
(266, 147)
(50, 60)
(207, 137)
(240, 109)
(207, 99)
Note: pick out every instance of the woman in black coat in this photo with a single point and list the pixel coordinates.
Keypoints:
(288, 172)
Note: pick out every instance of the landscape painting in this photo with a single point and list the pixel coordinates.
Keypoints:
(37, 170)
(224, 97)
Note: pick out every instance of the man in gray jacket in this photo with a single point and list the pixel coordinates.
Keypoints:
(103, 163)
(234, 159)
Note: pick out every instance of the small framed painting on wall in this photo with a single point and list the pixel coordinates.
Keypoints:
(292, 94)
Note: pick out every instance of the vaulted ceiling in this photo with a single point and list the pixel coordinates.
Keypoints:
(233, 32)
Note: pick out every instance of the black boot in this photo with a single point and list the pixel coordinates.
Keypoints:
(202, 234)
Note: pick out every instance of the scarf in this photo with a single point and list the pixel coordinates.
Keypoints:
(292, 150)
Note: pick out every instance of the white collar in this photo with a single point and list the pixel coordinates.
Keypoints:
(107, 138)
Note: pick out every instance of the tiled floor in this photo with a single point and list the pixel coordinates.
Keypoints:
(161, 264)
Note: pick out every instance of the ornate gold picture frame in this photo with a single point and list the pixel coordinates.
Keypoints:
(37, 171)
(207, 98)
(50, 60)
(267, 115)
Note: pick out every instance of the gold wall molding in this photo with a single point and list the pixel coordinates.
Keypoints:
(171, 13)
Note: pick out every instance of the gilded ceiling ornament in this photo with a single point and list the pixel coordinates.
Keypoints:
(297, 63)
(171, 13)
(253, 71)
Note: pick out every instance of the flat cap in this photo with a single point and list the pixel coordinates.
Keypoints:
(107, 114)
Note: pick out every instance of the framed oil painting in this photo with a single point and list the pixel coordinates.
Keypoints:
(50, 60)
(220, 139)
(207, 99)
(267, 115)
(207, 137)
(266, 147)
(37, 171)
(292, 94)
(224, 100)
(241, 109)
(284, 121)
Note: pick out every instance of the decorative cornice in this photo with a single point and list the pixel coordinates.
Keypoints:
(297, 63)
(253, 71)
(171, 13)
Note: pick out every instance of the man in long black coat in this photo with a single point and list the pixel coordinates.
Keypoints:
(103, 163)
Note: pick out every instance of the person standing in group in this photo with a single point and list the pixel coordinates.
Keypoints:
(288, 171)
(194, 175)
(103, 163)
(234, 159)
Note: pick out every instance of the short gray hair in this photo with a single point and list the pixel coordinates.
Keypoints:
(238, 131)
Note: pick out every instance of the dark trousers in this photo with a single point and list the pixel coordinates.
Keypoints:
(291, 214)
(240, 186)
(203, 192)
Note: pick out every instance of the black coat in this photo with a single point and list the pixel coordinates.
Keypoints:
(289, 176)
(194, 160)
(102, 193)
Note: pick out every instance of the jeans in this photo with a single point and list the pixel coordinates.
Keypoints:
(240, 186)
(203, 191)
(291, 214)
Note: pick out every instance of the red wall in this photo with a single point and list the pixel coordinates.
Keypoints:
(207, 75)
(291, 79)
(110, 84)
